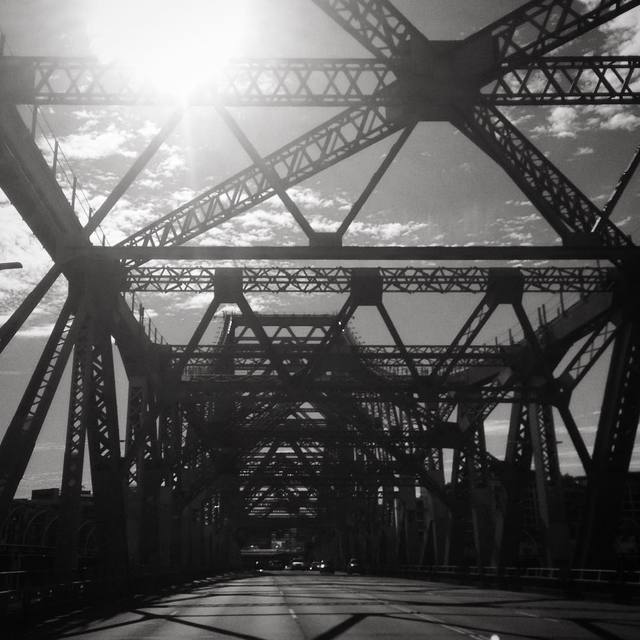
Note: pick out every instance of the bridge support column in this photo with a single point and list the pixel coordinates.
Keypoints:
(473, 512)
(436, 525)
(510, 501)
(612, 451)
(93, 415)
(554, 530)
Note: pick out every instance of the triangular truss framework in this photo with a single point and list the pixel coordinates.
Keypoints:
(289, 418)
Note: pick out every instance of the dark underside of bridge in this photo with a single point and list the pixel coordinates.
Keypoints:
(291, 422)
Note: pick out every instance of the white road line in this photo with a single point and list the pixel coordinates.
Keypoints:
(535, 615)
(292, 613)
(439, 621)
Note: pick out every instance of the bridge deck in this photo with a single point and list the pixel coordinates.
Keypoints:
(305, 606)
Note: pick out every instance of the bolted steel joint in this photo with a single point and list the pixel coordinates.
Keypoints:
(366, 286)
(227, 284)
(505, 285)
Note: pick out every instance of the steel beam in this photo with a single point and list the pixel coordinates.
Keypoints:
(22, 433)
(132, 173)
(555, 252)
(73, 465)
(567, 81)
(100, 419)
(347, 133)
(573, 216)
(516, 480)
(376, 24)
(9, 329)
(612, 451)
(350, 82)
(554, 530)
(535, 29)
(170, 279)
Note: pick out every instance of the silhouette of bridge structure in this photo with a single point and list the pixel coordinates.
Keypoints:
(291, 420)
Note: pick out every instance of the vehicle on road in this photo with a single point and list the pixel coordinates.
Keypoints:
(353, 566)
(326, 567)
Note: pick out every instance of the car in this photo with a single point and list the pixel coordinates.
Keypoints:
(353, 566)
(314, 566)
(297, 565)
(326, 567)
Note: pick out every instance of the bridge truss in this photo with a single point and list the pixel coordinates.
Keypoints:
(291, 420)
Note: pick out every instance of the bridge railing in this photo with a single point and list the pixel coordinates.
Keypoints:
(147, 326)
(53, 153)
(619, 582)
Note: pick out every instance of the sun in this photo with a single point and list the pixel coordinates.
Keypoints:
(174, 45)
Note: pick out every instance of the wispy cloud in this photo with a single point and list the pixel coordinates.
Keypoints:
(36, 331)
(93, 145)
(18, 244)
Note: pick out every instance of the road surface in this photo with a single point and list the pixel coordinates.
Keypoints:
(309, 606)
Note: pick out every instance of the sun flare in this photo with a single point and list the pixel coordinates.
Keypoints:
(175, 46)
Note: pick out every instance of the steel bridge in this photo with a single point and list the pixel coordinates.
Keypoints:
(292, 421)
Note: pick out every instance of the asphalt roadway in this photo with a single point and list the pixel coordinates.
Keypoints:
(308, 606)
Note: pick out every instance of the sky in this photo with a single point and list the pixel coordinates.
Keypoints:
(440, 190)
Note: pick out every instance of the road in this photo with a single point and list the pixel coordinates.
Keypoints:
(308, 606)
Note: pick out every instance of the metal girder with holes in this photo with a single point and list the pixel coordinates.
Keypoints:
(563, 205)
(588, 249)
(376, 24)
(284, 415)
(73, 465)
(554, 530)
(566, 80)
(613, 448)
(535, 29)
(100, 419)
(22, 433)
(351, 131)
(350, 82)
(394, 280)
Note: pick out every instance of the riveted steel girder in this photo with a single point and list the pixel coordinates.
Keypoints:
(394, 280)
(348, 82)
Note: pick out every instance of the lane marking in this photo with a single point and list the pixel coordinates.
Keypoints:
(432, 619)
(535, 615)
(292, 613)
(436, 620)
(470, 634)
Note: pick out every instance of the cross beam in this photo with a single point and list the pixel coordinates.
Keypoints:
(394, 280)
(326, 82)
(430, 252)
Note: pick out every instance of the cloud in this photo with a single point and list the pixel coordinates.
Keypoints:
(519, 203)
(127, 217)
(623, 34)
(569, 122)
(388, 232)
(521, 229)
(18, 244)
(622, 120)
(173, 163)
(562, 122)
(93, 145)
(36, 331)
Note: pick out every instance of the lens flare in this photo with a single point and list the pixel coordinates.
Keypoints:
(174, 46)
